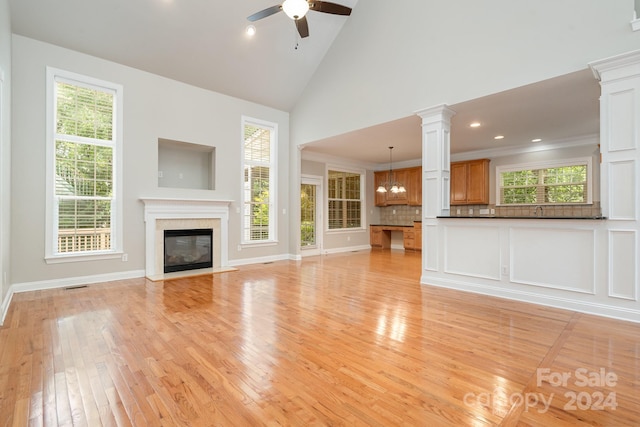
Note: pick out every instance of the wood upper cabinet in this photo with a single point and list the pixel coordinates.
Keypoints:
(470, 182)
(380, 178)
(400, 176)
(414, 186)
(411, 178)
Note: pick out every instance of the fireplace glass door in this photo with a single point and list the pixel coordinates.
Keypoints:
(187, 249)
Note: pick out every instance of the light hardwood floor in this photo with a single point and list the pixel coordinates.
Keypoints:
(349, 339)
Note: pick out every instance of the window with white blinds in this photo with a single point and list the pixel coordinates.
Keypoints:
(345, 199)
(258, 186)
(550, 183)
(83, 150)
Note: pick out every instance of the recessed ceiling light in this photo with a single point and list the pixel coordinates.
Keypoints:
(498, 137)
(250, 30)
(474, 125)
(536, 140)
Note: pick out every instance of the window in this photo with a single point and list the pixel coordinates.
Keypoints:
(345, 199)
(83, 161)
(258, 191)
(562, 182)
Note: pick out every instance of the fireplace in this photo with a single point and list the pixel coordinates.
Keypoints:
(162, 214)
(189, 249)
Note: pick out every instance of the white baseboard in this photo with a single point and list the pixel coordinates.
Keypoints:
(347, 249)
(63, 283)
(261, 260)
(597, 309)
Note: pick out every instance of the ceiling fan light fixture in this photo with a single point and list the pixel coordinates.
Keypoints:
(295, 9)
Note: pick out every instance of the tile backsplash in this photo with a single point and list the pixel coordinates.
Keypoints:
(593, 210)
(404, 215)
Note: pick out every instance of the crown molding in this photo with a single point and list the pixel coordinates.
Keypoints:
(531, 148)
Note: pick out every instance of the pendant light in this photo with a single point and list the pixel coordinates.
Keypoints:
(391, 185)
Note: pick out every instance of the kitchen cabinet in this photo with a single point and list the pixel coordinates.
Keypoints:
(414, 186)
(409, 239)
(411, 178)
(417, 226)
(380, 236)
(470, 182)
(380, 178)
(399, 175)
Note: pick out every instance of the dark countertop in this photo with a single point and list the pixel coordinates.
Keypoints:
(390, 225)
(597, 218)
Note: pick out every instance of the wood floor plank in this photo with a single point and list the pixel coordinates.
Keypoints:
(344, 339)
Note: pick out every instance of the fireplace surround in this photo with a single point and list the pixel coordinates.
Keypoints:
(178, 214)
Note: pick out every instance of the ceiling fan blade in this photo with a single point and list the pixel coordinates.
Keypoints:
(302, 26)
(264, 13)
(328, 7)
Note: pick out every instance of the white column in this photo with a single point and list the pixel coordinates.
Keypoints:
(620, 169)
(436, 141)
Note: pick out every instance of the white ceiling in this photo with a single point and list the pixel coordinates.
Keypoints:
(203, 43)
(554, 110)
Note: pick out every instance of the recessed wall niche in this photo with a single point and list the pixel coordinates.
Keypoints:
(186, 165)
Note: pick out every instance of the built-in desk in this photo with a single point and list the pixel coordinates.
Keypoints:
(380, 235)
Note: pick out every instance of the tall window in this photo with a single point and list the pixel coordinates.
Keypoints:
(345, 199)
(258, 155)
(83, 147)
(563, 182)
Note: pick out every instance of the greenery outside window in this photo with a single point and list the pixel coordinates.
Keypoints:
(551, 183)
(258, 190)
(83, 163)
(345, 199)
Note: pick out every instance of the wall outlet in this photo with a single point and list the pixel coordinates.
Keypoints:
(180, 175)
(457, 211)
(505, 270)
(284, 211)
(394, 211)
(348, 238)
(417, 211)
(160, 174)
(471, 211)
(493, 211)
(125, 257)
(239, 248)
(484, 211)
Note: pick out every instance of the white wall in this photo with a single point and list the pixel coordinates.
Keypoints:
(5, 149)
(392, 59)
(154, 107)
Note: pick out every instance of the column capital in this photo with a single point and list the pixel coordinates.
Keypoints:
(438, 113)
(617, 67)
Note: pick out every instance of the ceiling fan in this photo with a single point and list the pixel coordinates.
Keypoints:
(297, 10)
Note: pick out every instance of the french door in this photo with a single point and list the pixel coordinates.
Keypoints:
(311, 215)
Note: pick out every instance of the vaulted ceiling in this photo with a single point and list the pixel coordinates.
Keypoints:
(199, 42)
(204, 43)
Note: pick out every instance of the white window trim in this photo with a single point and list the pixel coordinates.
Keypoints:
(51, 257)
(363, 200)
(273, 171)
(543, 165)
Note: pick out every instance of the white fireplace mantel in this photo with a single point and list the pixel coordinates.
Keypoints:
(156, 209)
